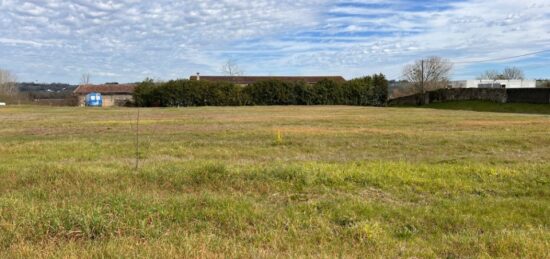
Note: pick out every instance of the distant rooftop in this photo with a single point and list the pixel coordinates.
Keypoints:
(246, 80)
(106, 89)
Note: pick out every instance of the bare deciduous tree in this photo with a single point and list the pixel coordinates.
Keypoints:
(513, 73)
(231, 68)
(8, 84)
(85, 79)
(428, 74)
(509, 73)
(490, 74)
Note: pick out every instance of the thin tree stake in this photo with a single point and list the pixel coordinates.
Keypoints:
(137, 140)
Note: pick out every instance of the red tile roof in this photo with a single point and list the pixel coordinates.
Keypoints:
(246, 80)
(106, 89)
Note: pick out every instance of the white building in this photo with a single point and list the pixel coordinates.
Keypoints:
(494, 84)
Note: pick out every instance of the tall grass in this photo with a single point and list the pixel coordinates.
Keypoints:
(348, 182)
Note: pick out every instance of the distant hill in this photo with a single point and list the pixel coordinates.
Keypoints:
(49, 88)
(46, 91)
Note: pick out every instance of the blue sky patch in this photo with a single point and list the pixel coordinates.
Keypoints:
(129, 40)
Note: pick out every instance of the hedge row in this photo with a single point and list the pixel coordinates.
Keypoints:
(370, 90)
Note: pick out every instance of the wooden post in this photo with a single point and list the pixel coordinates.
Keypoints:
(137, 140)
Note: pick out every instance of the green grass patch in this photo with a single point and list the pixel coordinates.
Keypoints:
(329, 181)
(484, 106)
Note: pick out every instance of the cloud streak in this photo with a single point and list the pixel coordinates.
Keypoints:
(127, 40)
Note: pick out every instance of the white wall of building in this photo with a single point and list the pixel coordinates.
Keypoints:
(494, 84)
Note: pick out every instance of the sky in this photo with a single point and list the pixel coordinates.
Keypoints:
(130, 40)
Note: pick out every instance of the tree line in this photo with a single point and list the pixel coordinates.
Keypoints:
(369, 90)
(434, 73)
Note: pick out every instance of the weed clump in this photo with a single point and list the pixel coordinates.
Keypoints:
(279, 138)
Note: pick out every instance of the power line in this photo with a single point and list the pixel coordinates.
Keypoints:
(503, 58)
(396, 75)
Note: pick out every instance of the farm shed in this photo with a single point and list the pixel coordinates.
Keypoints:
(112, 94)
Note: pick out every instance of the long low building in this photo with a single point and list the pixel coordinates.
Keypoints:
(248, 80)
(494, 84)
(111, 94)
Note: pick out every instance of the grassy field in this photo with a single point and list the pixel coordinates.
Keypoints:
(274, 182)
(485, 106)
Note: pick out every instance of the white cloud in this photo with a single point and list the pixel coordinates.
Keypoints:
(472, 30)
(122, 39)
(20, 42)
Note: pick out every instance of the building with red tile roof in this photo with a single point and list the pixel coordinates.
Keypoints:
(113, 94)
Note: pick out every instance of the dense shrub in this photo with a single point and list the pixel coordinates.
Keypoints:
(370, 90)
(328, 92)
(188, 93)
(273, 92)
(144, 93)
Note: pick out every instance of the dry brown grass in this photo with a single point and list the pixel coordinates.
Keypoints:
(215, 182)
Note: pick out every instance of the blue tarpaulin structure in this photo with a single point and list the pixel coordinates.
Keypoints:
(94, 100)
